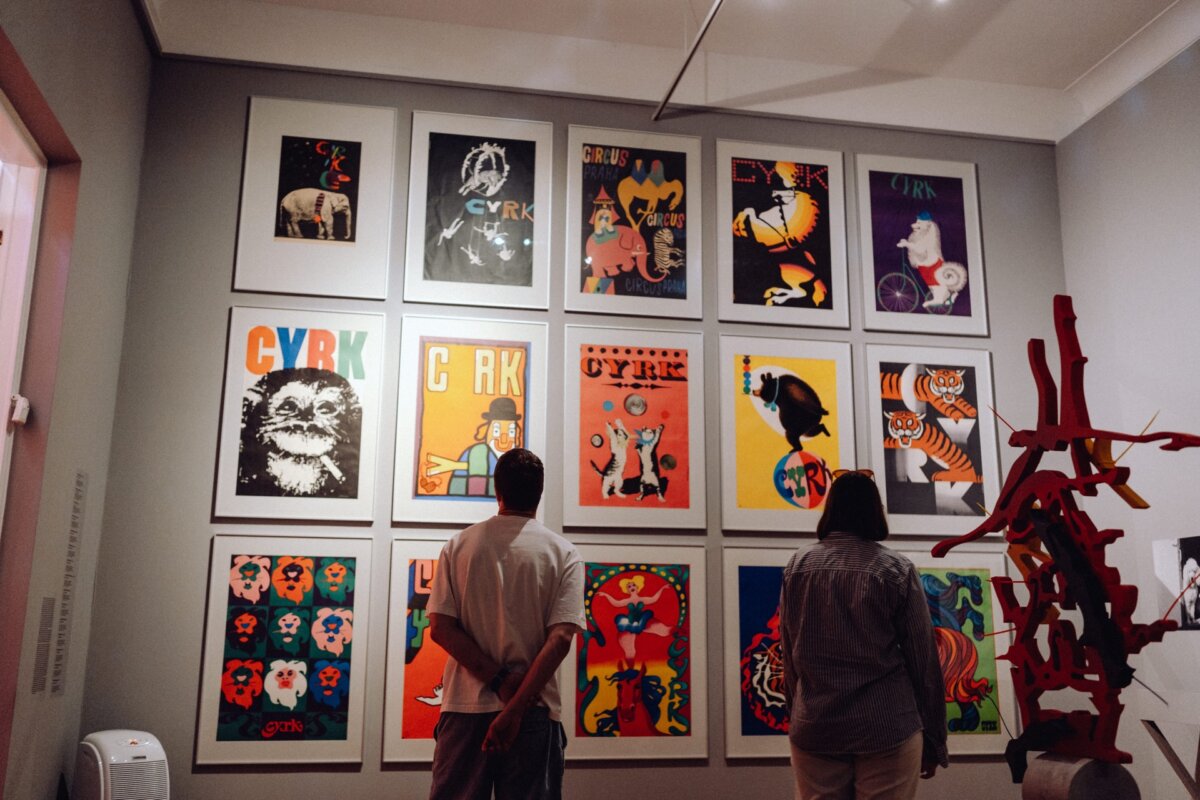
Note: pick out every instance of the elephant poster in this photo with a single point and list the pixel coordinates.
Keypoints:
(318, 188)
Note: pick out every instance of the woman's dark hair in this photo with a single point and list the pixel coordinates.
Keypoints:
(519, 479)
(853, 506)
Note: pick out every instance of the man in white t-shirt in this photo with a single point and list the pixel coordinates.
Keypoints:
(507, 600)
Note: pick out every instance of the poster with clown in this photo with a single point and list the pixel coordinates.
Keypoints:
(633, 431)
(413, 698)
(636, 679)
(285, 650)
(470, 391)
(787, 424)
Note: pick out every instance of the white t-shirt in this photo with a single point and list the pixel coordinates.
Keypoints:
(506, 580)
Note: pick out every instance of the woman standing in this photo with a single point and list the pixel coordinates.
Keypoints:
(868, 712)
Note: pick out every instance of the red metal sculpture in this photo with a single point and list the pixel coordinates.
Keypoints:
(1037, 509)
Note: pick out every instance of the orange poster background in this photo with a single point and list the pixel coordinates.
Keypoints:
(626, 374)
(424, 660)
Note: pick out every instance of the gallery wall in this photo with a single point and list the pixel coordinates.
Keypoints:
(144, 663)
(1129, 182)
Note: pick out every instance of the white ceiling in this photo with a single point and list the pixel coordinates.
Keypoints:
(1029, 69)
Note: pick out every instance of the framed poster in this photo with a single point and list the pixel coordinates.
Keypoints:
(413, 698)
(922, 256)
(633, 223)
(316, 212)
(787, 421)
(636, 682)
(300, 418)
(479, 211)
(933, 437)
(633, 430)
(781, 235)
(285, 650)
(981, 710)
(470, 391)
(756, 702)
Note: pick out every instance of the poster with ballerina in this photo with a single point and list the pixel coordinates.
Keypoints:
(922, 254)
(633, 223)
(781, 235)
(633, 431)
(636, 677)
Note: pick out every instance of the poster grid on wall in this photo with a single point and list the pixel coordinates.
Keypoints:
(300, 417)
(316, 206)
(635, 682)
(633, 431)
(921, 250)
(787, 421)
(633, 223)
(933, 437)
(479, 211)
(470, 390)
(781, 235)
(285, 650)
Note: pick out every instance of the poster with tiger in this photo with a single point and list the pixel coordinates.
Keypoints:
(933, 437)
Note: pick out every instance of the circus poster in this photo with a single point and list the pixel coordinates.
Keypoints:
(470, 391)
(782, 235)
(301, 414)
(923, 263)
(318, 188)
(638, 668)
(634, 453)
(480, 235)
(633, 212)
(934, 440)
(285, 650)
(415, 663)
(787, 424)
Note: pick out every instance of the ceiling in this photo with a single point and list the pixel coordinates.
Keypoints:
(1025, 69)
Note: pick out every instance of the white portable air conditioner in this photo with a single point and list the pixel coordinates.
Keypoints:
(120, 765)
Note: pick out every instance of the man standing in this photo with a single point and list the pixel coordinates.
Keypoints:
(507, 600)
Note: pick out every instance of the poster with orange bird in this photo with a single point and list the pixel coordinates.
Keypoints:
(634, 454)
(470, 391)
(638, 667)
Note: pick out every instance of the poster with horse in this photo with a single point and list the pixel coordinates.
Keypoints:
(635, 683)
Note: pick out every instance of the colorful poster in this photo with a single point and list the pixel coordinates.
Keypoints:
(638, 669)
(415, 663)
(920, 231)
(787, 423)
(935, 445)
(285, 649)
(630, 202)
(1189, 569)
(473, 397)
(301, 414)
(318, 188)
(635, 446)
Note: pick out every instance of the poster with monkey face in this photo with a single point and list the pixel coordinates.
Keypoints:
(301, 414)
(635, 454)
(285, 650)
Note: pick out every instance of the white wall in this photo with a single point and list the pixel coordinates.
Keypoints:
(1129, 186)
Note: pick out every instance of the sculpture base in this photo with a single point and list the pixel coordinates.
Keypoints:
(1054, 777)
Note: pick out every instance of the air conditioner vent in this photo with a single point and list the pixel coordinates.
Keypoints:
(139, 781)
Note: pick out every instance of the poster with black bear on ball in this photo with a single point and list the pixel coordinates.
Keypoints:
(301, 414)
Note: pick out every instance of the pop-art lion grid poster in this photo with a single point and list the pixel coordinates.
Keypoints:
(285, 647)
(301, 414)
(635, 683)
(472, 398)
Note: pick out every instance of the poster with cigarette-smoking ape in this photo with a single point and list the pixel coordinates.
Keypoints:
(301, 414)
(933, 437)
(479, 211)
(316, 199)
(633, 428)
(470, 391)
(285, 650)
(922, 255)
(787, 422)
(633, 223)
(781, 235)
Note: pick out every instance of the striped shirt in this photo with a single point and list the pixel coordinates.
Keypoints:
(860, 662)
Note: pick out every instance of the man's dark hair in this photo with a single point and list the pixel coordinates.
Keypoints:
(853, 506)
(519, 480)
